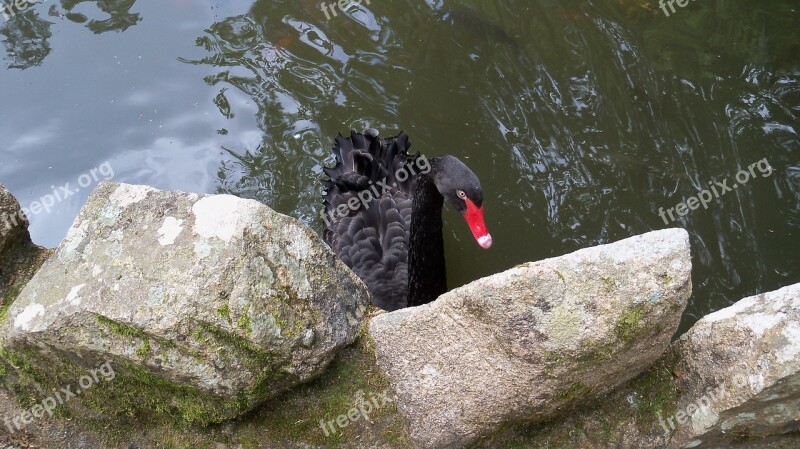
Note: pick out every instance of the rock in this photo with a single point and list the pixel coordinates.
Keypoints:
(19, 260)
(19, 257)
(204, 306)
(13, 223)
(741, 373)
(533, 342)
(733, 380)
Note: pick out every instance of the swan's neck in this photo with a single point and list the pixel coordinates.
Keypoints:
(427, 277)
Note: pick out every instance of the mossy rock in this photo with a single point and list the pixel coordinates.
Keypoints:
(207, 305)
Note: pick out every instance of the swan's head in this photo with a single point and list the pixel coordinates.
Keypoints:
(461, 188)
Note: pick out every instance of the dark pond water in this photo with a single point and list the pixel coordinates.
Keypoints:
(582, 118)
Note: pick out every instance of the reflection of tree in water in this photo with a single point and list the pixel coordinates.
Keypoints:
(765, 35)
(248, 55)
(26, 37)
(121, 18)
(26, 34)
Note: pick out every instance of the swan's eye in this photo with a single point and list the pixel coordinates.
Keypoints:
(461, 194)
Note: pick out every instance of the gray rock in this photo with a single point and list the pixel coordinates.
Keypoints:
(741, 373)
(19, 257)
(732, 381)
(204, 306)
(13, 223)
(533, 342)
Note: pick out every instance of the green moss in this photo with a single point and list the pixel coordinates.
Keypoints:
(181, 402)
(274, 373)
(595, 352)
(575, 391)
(18, 361)
(206, 332)
(288, 297)
(224, 312)
(282, 323)
(136, 392)
(142, 406)
(145, 350)
(656, 391)
(149, 398)
(120, 329)
(8, 298)
(124, 330)
(295, 415)
(244, 323)
(26, 380)
(610, 283)
(627, 325)
(250, 442)
(4, 310)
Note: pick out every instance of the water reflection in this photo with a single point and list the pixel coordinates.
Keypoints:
(26, 40)
(290, 94)
(27, 35)
(582, 118)
(120, 17)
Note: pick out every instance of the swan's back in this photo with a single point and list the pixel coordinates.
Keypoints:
(371, 234)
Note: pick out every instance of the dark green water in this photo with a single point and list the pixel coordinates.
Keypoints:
(582, 118)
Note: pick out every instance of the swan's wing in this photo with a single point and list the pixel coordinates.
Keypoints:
(366, 224)
(372, 241)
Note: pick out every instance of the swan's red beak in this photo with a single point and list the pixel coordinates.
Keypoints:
(474, 217)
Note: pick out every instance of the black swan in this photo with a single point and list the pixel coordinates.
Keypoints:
(383, 215)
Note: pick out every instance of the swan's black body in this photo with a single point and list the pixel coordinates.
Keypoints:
(386, 225)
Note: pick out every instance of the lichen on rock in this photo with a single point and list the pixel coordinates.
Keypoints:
(531, 343)
(204, 303)
(732, 380)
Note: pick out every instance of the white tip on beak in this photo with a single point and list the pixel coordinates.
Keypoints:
(485, 241)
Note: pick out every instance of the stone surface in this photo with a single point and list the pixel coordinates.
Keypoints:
(19, 260)
(732, 381)
(13, 223)
(741, 371)
(289, 421)
(533, 342)
(19, 257)
(204, 305)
